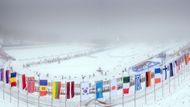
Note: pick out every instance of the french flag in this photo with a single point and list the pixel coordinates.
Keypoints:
(157, 75)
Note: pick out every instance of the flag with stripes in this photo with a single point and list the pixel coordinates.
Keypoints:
(126, 84)
(31, 84)
(178, 65)
(70, 89)
(157, 75)
(187, 58)
(43, 87)
(148, 78)
(56, 90)
(13, 80)
(23, 81)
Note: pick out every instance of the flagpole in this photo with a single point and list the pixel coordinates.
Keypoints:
(65, 94)
(18, 91)
(39, 91)
(163, 81)
(178, 73)
(80, 94)
(110, 93)
(10, 91)
(95, 95)
(169, 80)
(4, 86)
(122, 90)
(27, 92)
(174, 72)
(51, 94)
(154, 88)
(134, 93)
(145, 87)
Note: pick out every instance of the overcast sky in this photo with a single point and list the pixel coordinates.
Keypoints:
(61, 20)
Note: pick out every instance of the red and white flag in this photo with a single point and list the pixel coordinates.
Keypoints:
(23, 81)
(113, 87)
(70, 89)
(31, 84)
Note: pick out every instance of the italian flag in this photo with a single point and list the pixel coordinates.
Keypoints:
(126, 85)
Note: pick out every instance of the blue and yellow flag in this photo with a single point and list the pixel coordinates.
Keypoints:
(99, 89)
(13, 79)
(43, 87)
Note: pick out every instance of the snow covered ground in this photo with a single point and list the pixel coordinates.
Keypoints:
(112, 62)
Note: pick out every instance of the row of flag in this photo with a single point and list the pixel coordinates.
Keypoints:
(29, 82)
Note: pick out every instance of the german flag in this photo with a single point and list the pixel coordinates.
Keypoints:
(13, 79)
(148, 79)
(43, 87)
(56, 90)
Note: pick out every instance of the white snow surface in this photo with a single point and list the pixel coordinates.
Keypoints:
(111, 61)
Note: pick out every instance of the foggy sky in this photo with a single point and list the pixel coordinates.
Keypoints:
(79, 20)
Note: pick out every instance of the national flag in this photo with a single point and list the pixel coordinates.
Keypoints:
(99, 89)
(113, 86)
(31, 84)
(85, 91)
(126, 84)
(187, 58)
(157, 75)
(177, 66)
(13, 80)
(165, 72)
(138, 82)
(43, 87)
(148, 78)
(7, 76)
(70, 89)
(56, 90)
(171, 70)
(23, 81)
(2, 74)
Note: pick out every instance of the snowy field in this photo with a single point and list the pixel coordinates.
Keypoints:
(112, 62)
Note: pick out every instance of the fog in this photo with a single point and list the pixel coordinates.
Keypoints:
(89, 20)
